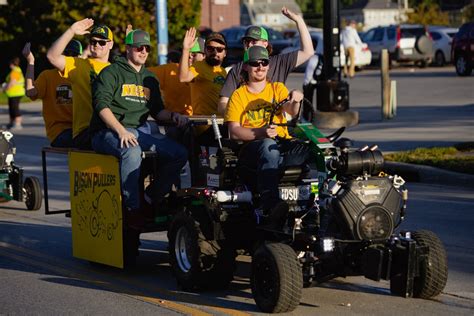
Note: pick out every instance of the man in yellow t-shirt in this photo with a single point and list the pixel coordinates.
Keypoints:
(206, 77)
(269, 147)
(82, 72)
(56, 94)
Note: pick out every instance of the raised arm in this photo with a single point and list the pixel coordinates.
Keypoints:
(55, 52)
(31, 91)
(293, 105)
(185, 75)
(307, 49)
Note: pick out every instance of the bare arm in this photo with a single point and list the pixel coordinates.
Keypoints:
(55, 52)
(127, 139)
(184, 74)
(222, 105)
(307, 49)
(293, 105)
(31, 91)
(238, 132)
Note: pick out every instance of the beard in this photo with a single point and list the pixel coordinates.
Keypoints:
(213, 61)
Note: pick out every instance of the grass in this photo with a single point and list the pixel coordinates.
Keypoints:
(459, 158)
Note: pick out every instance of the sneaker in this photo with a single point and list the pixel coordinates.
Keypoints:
(15, 127)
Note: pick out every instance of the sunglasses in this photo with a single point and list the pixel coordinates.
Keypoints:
(94, 42)
(258, 63)
(141, 48)
(211, 49)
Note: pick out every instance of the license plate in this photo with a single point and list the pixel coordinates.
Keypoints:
(299, 193)
(408, 51)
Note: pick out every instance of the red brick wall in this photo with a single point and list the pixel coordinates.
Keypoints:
(219, 17)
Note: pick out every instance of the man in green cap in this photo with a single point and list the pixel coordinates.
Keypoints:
(82, 72)
(124, 95)
(280, 65)
(268, 148)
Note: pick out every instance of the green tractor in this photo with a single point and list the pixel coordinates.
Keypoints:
(344, 220)
(12, 184)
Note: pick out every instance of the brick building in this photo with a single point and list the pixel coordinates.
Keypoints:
(220, 14)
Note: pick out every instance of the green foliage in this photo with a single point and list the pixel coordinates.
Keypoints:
(42, 22)
(459, 158)
(428, 13)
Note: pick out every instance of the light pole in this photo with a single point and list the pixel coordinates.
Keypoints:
(162, 30)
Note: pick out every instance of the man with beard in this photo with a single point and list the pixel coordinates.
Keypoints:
(82, 72)
(280, 65)
(124, 94)
(268, 147)
(206, 78)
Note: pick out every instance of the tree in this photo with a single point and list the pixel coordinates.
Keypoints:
(42, 22)
(428, 13)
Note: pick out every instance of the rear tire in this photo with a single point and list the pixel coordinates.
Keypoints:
(462, 66)
(433, 269)
(198, 263)
(276, 278)
(32, 193)
(439, 59)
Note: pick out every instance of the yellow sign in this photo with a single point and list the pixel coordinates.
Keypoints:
(96, 208)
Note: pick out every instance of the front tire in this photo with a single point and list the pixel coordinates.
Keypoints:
(462, 66)
(433, 268)
(32, 193)
(197, 262)
(276, 278)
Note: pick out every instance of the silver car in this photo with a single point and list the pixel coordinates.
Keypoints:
(404, 42)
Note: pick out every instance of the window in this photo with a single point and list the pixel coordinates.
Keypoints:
(391, 33)
(435, 36)
(378, 36)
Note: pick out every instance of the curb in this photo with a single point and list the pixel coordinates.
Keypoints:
(427, 174)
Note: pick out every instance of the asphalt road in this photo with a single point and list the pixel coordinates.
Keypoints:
(39, 275)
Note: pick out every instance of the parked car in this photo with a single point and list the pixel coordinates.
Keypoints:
(442, 40)
(404, 42)
(462, 49)
(235, 49)
(363, 56)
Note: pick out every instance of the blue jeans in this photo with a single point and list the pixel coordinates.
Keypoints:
(171, 158)
(64, 139)
(268, 157)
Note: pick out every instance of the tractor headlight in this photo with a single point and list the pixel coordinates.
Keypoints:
(327, 244)
(374, 223)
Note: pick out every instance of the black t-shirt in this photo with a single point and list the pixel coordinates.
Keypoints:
(280, 67)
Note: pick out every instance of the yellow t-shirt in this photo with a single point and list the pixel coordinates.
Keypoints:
(205, 87)
(252, 110)
(176, 95)
(56, 93)
(17, 89)
(81, 73)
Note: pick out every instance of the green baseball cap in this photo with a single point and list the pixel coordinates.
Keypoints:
(256, 32)
(255, 53)
(198, 46)
(138, 38)
(73, 48)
